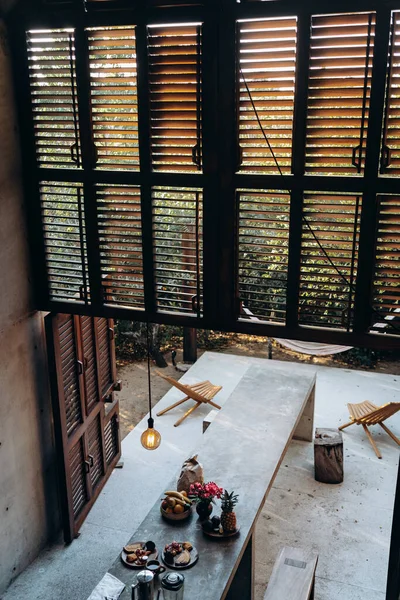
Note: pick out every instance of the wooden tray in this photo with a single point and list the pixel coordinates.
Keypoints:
(221, 536)
(194, 557)
(152, 556)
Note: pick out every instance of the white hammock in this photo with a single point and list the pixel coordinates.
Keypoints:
(313, 348)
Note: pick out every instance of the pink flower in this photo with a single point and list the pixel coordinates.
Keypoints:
(207, 491)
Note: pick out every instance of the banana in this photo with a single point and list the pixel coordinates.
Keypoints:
(177, 496)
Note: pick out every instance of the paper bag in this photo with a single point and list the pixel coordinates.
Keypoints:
(192, 472)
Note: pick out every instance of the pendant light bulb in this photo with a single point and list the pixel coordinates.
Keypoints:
(151, 438)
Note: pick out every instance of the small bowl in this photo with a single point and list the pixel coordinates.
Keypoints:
(176, 517)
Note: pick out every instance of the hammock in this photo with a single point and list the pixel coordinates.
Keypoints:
(313, 348)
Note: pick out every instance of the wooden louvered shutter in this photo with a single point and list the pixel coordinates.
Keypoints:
(177, 246)
(113, 86)
(120, 234)
(341, 57)
(82, 367)
(106, 351)
(327, 298)
(263, 253)
(386, 290)
(63, 224)
(175, 97)
(390, 155)
(51, 56)
(267, 59)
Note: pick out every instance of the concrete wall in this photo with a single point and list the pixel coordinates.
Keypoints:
(28, 502)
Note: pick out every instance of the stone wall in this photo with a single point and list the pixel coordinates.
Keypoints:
(28, 499)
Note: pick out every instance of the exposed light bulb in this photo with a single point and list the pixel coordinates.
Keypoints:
(150, 439)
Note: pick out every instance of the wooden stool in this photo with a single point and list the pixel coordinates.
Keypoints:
(328, 456)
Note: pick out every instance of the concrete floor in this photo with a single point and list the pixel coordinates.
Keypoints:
(348, 525)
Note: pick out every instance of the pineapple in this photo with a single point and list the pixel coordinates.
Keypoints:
(228, 517)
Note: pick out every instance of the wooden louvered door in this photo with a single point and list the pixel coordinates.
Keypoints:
(82, 364)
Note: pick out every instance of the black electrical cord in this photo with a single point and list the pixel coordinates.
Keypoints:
(148, 372)
(352, 289)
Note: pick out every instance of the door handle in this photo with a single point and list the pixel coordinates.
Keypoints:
(87, 466)
(91, 460)
(80, 367)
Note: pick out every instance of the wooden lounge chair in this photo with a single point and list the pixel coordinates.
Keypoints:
(201, 393)
(366, 413)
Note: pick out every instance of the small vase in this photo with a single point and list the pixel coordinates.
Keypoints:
(204, 510)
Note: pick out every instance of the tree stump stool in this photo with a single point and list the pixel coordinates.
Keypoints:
(328, 456)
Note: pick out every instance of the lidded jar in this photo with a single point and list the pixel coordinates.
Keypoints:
(172, 585)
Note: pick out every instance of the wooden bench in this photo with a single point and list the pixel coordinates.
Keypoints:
(293, 575)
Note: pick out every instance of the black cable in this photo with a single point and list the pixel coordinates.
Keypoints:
(148, 368)
(352, 289)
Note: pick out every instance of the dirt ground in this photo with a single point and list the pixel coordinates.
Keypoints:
(134, 395)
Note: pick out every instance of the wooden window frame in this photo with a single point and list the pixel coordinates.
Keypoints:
(219, 180)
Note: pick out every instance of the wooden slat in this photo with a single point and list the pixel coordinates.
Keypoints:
(175, 63)
(51, 57)
(178, 269)
(386, 283)
(113, 87)
(95, 452)
(120, 234)
(327, 298)
(63, 224)
(268, 63)
(341, 56)
(391, 126)
(263, 253)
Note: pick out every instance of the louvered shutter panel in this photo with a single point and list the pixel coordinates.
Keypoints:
(105, 341)
(95, 447)
(89, 362)
(51, 56)
(70, 376)
(78, 481)
(263, 253)
(175, 97)
(82, 360)
(390, 155)
(63, 225)
(120, 235)
(113, 86)
(267, 59)
(386, 290)
(326, 298)
(111, 437)
(339, 91)
(177, 243)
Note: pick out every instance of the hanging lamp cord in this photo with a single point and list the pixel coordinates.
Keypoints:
(148, 366)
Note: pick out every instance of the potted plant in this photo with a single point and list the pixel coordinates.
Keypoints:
(203, 495)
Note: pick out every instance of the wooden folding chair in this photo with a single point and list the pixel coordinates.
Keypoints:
(201, 393)
(366, 413)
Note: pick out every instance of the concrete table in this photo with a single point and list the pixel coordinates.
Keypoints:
(241, 451)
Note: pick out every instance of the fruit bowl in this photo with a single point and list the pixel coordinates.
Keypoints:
(171, 516)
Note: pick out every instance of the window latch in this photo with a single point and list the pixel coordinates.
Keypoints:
(386, 158)
(196, 156)
(356, 160)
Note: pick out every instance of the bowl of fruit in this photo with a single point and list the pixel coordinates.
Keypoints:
(176, 506)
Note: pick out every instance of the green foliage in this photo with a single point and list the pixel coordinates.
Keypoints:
(366, 357)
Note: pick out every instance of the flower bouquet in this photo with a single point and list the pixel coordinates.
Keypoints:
(203, 494)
